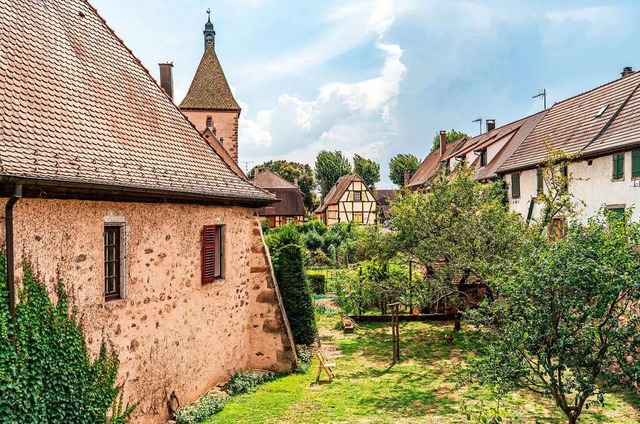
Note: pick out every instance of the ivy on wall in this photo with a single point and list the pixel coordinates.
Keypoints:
(46, 372)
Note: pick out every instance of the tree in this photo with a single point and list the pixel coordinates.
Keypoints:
(460, 233)
(401, 163)
(291, 171)
(368, 170)
(452, 135)
(330, 166)
(565, 324)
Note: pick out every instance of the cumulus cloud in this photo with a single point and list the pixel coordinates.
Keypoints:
(352, 117)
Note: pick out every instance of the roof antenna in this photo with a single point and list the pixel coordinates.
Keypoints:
(480, 121)
(542, 93)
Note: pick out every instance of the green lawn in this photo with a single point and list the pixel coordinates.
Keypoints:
(422, 388)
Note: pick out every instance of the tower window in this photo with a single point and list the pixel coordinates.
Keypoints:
(209, 122)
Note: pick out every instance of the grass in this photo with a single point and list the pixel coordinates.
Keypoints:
(422, 388)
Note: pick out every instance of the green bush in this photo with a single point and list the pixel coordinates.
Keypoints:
(288, 265)
(199, 411)
(305, 355)
(46, 372)
(317, 283)
(313, 240)
(245, 382)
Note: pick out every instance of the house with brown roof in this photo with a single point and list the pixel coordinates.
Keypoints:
(384, 197)
(433, 163)
(290, 205)
(600, 130)
(108, 187)
(349, 200)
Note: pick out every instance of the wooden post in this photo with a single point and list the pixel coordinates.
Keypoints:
(395, 330)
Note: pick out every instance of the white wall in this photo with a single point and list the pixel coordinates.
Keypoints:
(592, 184)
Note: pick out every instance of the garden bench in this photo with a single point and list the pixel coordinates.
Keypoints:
(324, 365)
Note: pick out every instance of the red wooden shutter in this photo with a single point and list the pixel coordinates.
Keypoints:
(208, 254)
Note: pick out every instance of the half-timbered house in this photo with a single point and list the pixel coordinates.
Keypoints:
(349, 200)
(290, 205)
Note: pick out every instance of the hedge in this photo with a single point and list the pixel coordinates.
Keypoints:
(289, 270)
(317, 283)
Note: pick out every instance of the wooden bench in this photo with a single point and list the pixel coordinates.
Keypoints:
(324, 365)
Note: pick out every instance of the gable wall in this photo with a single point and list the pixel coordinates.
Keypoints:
(172, 333)
(225, 123)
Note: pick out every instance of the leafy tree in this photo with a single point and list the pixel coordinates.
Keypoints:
(288, 266)
(452, 135)
(401, 163)
(330, 166)
(368, 170)
(46, 372)
(291, 171)
(460, 233)
(565, 323)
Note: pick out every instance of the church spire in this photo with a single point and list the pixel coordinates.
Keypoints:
(209, 32)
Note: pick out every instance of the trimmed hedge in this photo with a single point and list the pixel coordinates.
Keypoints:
(288, 265)
(317, 283)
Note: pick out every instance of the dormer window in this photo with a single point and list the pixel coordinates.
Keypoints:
(483, 156)
(601, 111)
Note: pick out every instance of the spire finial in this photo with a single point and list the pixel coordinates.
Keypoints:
(209, 32)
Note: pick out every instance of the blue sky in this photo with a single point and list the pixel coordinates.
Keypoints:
(381, 77)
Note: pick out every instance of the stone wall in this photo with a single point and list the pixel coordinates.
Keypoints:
(225, 123)
(173, 334)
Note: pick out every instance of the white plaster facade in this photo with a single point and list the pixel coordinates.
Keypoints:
(592, 183)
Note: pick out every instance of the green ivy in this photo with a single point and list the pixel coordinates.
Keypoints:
(245, 382)
(199, 411)
(46, 372)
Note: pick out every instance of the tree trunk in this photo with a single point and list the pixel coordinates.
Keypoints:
(457, 324)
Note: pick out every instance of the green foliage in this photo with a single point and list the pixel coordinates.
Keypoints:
(329, 167)
(459, 233)
(296, 296)
(312, 225)
(401, 163)
(197, 412)
(565, 324)
(305, 355)
(245, 382)
(317, 282)
(313, 240)
(452, 135)
(282, 236)
(368, 170)
(291, 171)
(264, 224)
(46, 372)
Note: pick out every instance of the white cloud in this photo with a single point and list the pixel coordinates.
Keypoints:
(352, 117)
(594, 21)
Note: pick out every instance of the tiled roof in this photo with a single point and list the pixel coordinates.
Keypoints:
(290, 204)
(385, 195)
(431, 163)
(338, 189)
(209, 88)
(269, 180)
(78, 107)
(209, 135)
(576, 126)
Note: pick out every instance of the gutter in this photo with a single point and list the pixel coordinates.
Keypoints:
(8, 223)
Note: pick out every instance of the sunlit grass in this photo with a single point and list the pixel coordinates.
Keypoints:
(422, 388)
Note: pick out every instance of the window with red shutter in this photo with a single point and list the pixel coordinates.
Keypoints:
(212, 253)
(208, 254)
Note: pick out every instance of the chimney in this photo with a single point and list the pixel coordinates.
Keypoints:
(407, 177)
(295, 181)
(166, 78)
(491, 124)
(443, 143)
(626, 71)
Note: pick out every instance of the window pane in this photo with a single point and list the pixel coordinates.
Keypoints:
(515, 185)
(618, 166)
(635, 164)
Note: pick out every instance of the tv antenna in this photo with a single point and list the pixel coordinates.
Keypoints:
(246, 164)
(480, 121)
(542, 93)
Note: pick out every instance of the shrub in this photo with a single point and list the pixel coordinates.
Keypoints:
(244, 382)
(312, 225)
(289, 271)
(46, 372)
(199, 411)
(305, 355)
(282, 236)
(313, 240)
(317, 283)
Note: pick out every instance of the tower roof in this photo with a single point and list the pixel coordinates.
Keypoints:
(209, 89)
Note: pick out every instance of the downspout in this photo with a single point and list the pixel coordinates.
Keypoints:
(8, 223)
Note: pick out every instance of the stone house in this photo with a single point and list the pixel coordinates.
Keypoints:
(600, 130)
(289, 208)
(349, 200)
(106, 186)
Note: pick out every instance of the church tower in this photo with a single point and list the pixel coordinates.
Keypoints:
(209, 103)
